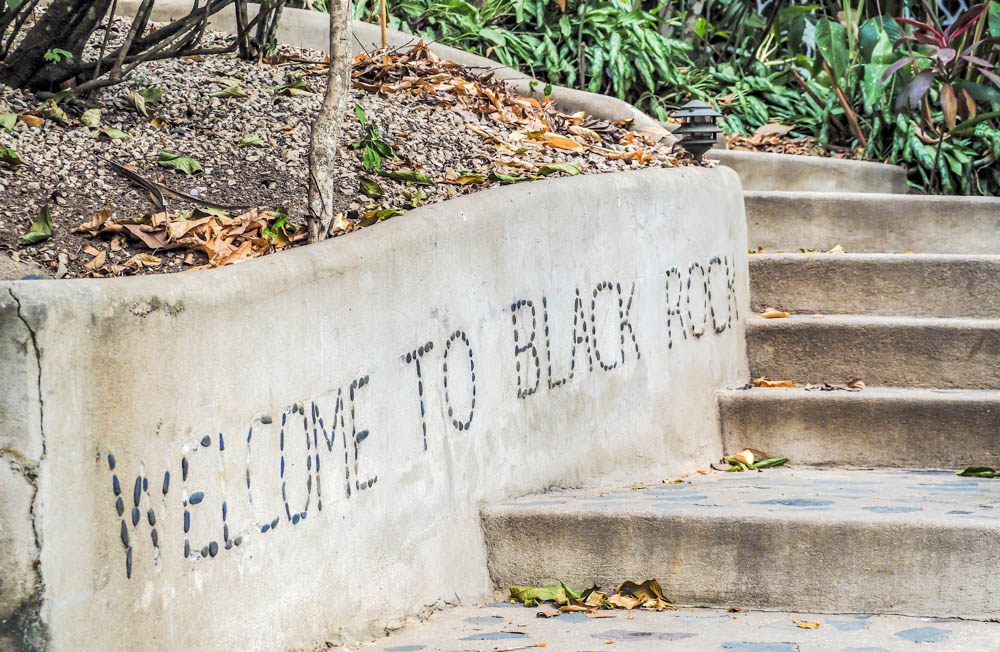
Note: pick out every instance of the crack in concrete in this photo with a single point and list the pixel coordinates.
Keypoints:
(32, 630)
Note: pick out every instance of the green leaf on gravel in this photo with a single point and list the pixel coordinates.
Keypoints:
(505, 178)
(151, 95)
(184, 164)
(294, 85)
(371, 217)
(571, 169)
(8, 120)
(10, 157)
(531, 596)
(370, 188)
(110, 134)
(411, 176)
(41, 228)
(91, 118)
(252, 141)
(138, 102)
(231, 91)
(54, 112)
(980, 472)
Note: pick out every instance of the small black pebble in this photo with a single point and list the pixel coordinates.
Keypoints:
(135, 516)
(266, 419)
(111, 461)
(120, 506)
(124, 534)
(213, 548)
(206, 441)
(196, 497)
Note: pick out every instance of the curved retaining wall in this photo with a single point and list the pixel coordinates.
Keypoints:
(294, 450)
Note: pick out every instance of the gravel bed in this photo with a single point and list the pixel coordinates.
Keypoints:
(65, 166)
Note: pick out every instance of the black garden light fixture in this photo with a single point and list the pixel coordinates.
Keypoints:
(698, 130)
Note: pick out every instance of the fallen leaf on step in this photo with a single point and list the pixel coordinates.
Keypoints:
(774, 313)
(808, 625)
(855, 385)
(735, 609)
(837, 250)
(980, 472)
(766, 382)
(744, 457)
(548, 613)
(600, 614)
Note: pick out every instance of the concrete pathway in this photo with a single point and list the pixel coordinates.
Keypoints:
(508, 627)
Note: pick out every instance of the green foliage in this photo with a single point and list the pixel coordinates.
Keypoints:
(56, 55)
(374, 148)
(756, 69)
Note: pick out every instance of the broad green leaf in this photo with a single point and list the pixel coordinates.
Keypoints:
(980, 472)
(831, 40)
(233, 91)
(532, 596)
(505, 178)
(54, 112)
(968, 125)
(151, 94)
(411, 176)
(110, 134)
(184, 164)
(768, 463)
(10, 157)
(358, 111)
(370, 188)
(91, 118)
(252, 141)
(994, 19)
(8, 120)
(41, 228)
(569, 168)
(138, 102)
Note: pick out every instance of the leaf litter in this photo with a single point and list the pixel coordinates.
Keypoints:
(517, 139)
(557, 599)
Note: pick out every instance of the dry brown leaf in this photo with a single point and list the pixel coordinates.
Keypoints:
(772, 129)
(774, 313)
(701, 471)
(807, 625)
(94, 224)
(625, 601)
(143, 260)
(855, 384)
(32, 120)
(91, 251)
(735, 609)
(744, 457)
(584, 132)
(572, 608)
(97, 261)
(560, 142)
(766, 382)
(547, 613)
(837, 250)
(600, 614)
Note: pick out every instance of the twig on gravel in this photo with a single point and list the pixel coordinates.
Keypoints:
(156, 189)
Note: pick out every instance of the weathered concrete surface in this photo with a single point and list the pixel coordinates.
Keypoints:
(341, 410)
(873, 223)
(19, 593)
(509, 626)
(787, 172)
(796, 540)
(310, 29)
(880, 427)
(895, 351)
(916, 285)
(12, 270)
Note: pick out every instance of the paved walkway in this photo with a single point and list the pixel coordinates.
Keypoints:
(506, 627)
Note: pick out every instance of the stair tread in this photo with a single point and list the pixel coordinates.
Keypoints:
(870, 393)
(903, 498)
(511, 626)
(895, 321)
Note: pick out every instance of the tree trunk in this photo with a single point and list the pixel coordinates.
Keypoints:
(66, 24)
(325, 142)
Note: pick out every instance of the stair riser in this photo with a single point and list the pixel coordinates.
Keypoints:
(908, 286)
(864, 223)
(855, 430)
(796, 565)
(901, 355)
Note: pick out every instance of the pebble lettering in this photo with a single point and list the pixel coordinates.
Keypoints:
(601, 338)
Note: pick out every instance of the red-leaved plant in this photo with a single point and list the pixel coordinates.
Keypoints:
(946, 66)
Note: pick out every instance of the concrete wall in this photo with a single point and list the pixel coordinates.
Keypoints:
(789, 172)
(310, 436)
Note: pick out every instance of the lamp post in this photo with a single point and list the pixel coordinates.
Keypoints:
(698, 130)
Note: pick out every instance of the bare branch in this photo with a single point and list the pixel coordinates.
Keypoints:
(324, 144)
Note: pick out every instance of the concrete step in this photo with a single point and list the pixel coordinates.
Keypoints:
(892, 351)
(918, 285)
(872, 223)
(804, 539)
(766, 171)
(506, 626)
(880, 427)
